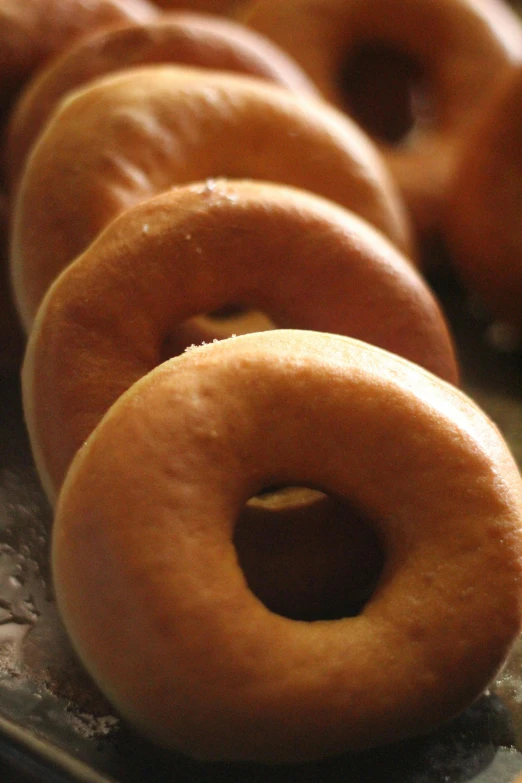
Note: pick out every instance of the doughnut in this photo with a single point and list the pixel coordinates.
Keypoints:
(304, 261)
(482, 223)
(31, 31)
(151, 592)
(129, 136)
(458, 47)
(190, 39)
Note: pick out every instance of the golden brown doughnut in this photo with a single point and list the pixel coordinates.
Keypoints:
(185, 38)
(482, 222)
(129, 136)
(31, 31)
(459, 46)
(303, 260)
(147, 576)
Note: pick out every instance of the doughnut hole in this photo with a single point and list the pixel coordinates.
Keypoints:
(307, 555)
(386, 91)
(227, 311)
(228, 321)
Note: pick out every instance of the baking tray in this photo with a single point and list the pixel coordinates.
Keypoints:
(55, 726)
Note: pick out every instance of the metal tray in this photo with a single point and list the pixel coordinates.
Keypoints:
(56, 727)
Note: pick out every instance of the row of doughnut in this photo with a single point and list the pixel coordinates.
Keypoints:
(175, 178)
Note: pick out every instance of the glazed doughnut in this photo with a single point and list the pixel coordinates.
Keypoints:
(303, 260)
(129, 136)
(147, 577)
(189, 39)
(31, 31)
(482, 223)
(469, 44)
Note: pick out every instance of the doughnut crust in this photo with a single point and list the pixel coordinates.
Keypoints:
(147, 577)
(302, 260)
(183, 38)
(461, 47)
(130, 136)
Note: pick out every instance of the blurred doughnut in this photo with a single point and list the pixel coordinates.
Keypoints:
(126, 137)
(33, 30)
(455, 50)
(183, 38)
(483, 220)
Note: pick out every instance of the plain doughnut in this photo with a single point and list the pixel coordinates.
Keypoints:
(482, 223)
(130, 136)
(460, 46)
(183, 38)
(304, 261)
(147, 577)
